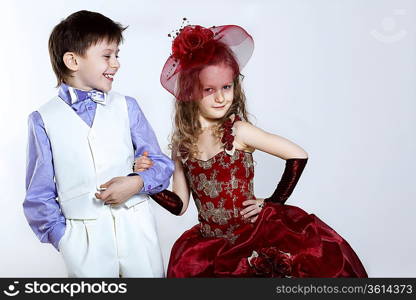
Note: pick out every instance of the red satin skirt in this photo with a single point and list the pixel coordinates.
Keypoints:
(285, 241)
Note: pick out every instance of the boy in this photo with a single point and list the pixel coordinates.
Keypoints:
(81, 194)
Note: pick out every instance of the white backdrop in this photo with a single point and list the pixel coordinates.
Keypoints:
(336, 77)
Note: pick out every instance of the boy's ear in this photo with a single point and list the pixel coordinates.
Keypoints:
(71, 61)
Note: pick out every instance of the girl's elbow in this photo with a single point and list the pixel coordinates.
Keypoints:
(299, 154)
(303, 154)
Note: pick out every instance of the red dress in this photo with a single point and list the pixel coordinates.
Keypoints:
(285, 241)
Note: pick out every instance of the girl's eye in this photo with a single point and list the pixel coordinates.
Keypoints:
(107, 56)
(208, 90)
(227, 87)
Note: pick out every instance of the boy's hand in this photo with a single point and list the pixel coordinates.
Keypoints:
(142, 163)
(119, 189)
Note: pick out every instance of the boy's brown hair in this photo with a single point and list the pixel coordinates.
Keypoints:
(76, 34)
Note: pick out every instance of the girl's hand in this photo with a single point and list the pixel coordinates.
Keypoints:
(142, 163)
(253, 209)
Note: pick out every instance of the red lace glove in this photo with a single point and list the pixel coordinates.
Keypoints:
(169, 200)
(290, 177)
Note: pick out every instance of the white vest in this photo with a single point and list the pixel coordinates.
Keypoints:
(84, 157)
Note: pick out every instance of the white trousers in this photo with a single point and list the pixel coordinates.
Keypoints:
(121, 242)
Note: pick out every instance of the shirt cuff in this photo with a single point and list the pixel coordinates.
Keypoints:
(56, 234)
(149, 187)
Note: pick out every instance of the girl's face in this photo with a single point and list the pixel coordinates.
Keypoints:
(217, 93)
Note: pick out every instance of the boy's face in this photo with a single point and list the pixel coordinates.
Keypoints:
(97, 67)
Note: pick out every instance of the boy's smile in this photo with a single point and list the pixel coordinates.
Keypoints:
(96, 69)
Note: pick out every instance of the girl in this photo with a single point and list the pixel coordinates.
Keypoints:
(238, 235)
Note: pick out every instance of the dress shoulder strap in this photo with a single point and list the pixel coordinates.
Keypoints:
(229, 134)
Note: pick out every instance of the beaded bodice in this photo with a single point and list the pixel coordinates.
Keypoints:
(219, 186)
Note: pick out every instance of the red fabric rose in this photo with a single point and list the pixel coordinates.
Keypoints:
(270, 252)
(184, 152)
(271, 262)
(261, 265)
(228, 123)
(190, 39)
(282, 266)
(228, 137)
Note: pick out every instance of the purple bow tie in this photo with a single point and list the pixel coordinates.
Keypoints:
(94, 95)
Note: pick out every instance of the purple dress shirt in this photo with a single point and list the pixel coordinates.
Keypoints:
(41, 209)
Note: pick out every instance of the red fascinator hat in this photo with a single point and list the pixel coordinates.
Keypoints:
(195, 46)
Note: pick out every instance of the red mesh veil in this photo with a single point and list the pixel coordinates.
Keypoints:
(194, 45)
